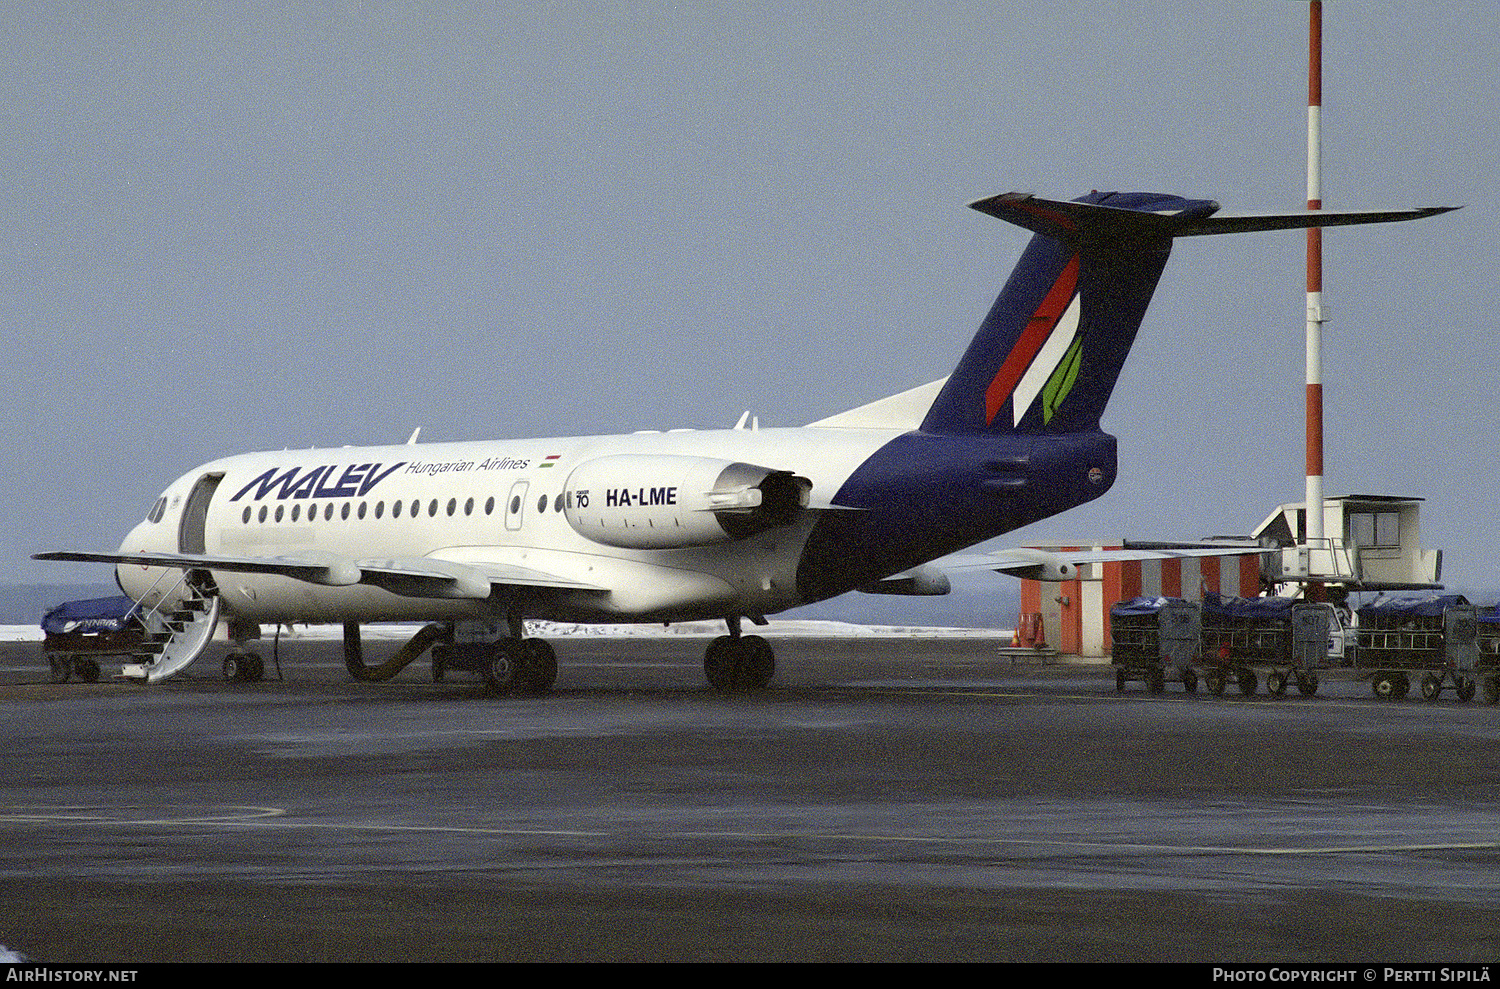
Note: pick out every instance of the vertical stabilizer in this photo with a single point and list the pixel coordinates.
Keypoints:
(1048, 354)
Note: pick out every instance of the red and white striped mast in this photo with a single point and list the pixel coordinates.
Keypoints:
(1314, 513)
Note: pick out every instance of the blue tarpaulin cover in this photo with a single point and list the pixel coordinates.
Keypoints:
(1276, 608)
(94, 615)
(1427, 606)
(1140, 606)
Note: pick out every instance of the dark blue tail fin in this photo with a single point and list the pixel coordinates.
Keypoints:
(1047, 356)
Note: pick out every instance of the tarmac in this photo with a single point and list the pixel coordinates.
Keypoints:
(887, 799)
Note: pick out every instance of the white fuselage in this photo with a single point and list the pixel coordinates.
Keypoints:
(486, 503)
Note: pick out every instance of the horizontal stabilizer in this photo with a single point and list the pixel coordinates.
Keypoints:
(1059, 565)
(1092, 222)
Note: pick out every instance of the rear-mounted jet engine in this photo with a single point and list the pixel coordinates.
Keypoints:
(667, 502)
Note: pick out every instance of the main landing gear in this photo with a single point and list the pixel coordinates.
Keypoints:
(515, 665)
(736, 662)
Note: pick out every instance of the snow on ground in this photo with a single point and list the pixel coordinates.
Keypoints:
(562, 630)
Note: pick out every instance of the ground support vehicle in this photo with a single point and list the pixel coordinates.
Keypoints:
(1435, 637)
(1290, 640)
(1151, 636)
(77, 634)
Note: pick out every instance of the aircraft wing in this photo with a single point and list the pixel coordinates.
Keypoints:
(423, 577)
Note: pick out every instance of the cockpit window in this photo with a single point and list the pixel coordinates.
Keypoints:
(157, 510)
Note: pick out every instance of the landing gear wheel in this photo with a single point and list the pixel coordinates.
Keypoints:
(1307, 684)
(501, 667)
(757, 662)
(1466, 687)
(1215, 683)
(718, 664)
(1276, 684)
(61, 668)
(744, 663)
(538, 667)
(1430, 686)
(1248, 682)
(1384, 686)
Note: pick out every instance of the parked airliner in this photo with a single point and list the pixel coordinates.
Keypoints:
(678, 526)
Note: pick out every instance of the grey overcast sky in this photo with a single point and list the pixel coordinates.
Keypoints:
(243, 226)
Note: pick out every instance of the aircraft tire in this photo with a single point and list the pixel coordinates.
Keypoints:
(1215, 683)
(757, 662)
(538, 670)
(1275, 684)
(1466, 687)
(501, 668)
(719, 664)
(1307, 684)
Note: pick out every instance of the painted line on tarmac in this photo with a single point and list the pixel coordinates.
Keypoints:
(237, 816)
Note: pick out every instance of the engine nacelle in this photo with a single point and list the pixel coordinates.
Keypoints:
(665, 502)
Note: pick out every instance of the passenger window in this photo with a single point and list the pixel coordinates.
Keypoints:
(395, 509)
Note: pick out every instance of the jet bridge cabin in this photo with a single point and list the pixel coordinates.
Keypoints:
(1373, 543)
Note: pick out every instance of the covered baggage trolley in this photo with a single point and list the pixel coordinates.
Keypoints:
(1487, 662)
(1436, 636)
(1151, 635)
(1287, 638)
(77, 634)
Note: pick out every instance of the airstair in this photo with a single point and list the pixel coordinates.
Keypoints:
(177, 637)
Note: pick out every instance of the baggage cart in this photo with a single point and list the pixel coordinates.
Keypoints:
(77, 634)
(1434, 638)
(1151, 636)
